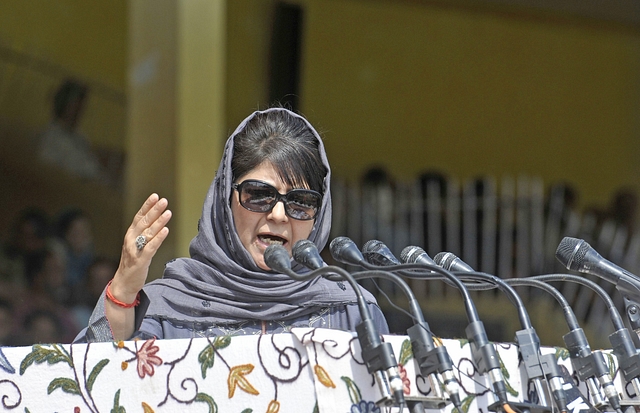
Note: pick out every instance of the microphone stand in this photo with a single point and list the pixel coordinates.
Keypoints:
(430, 359)
(378, 356)
(587, 364)
(621, 342)
(536, 365)
(483, 352)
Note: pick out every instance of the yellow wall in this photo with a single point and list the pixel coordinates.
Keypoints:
(88, 38)
(413, 85)
(469, 92)
(42, 42)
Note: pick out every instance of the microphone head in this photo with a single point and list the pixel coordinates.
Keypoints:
(306, 253)
(377, 253)
(344, 250)
(412, 254)
(373, 245)
(571, 252)
(450, 262)
(277, 258)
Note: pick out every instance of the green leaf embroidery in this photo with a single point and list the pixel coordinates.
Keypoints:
(206, 359)
(213, 407)
(222, 342)
(116, 404)
(405, 352)
(562, 353)
(352, 388)
(247, 410)
(316, 409)
(40, 354)
(207, 356)
(466, 403)
(94, 373)
(66, 385)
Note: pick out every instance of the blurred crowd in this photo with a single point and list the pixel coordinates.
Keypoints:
(50, 277)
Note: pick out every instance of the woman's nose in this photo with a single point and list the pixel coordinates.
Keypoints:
(278, 212)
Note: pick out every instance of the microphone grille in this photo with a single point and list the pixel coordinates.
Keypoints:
(439, 258)
(299, 247)
(337, 246)
(571, 252)
(276, 257)
(444, 259)
(372, 245)
(410, 253)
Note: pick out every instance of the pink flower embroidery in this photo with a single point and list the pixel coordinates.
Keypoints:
(406, 383)
(147, 358)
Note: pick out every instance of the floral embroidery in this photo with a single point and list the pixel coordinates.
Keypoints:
(365, 407)
(406, 383)
(147, 358)
(237, 379)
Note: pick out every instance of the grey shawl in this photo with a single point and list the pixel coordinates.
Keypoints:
(221, 284)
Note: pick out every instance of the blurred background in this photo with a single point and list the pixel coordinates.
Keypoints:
(487, 128)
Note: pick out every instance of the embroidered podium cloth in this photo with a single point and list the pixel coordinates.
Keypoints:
(307, 370)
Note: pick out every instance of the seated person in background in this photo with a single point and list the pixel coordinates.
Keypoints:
(61, 144)
(226, 287)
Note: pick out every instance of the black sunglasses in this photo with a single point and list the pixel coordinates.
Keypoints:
(258, 196)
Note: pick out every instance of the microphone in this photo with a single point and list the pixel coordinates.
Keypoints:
(377, 253)
(577, 255)
(378, 356)
(416, 255)
(449, 261)
(306, 253)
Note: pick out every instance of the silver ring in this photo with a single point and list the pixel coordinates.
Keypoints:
(141, 241)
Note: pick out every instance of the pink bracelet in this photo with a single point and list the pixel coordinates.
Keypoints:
(118, 302)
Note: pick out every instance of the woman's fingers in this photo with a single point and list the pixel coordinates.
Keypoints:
(156, 233)
(141, 242)
(151, 201)
(152, 217)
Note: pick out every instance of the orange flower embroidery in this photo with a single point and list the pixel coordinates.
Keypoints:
(323, 376)
(124, 365)
(237, 379)
(147, 358)
(274, 407)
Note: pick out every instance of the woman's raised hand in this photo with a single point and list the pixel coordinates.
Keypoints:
(141, 242)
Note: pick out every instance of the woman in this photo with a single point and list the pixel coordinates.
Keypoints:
(226, 287)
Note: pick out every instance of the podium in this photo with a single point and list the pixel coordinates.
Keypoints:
(306, 370)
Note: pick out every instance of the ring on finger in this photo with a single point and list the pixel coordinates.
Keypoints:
(141, 241)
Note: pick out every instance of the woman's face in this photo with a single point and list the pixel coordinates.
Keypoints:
(258, 230)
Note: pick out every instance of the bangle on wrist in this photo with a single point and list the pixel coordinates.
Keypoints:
(118, 302)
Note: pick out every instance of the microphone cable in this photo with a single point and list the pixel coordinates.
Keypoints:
(536, 365)
(589, 365)
(621, 342)
(483, 351)
(378, 356)
(431, 359)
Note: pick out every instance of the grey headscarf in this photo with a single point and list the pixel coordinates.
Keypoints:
(221, 283)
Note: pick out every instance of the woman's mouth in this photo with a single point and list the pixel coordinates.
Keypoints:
(271, 239)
